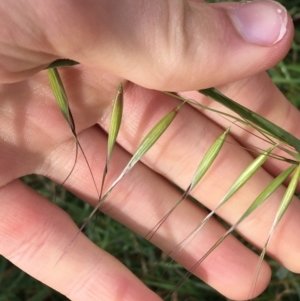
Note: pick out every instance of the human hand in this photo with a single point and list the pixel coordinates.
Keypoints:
(163, 45)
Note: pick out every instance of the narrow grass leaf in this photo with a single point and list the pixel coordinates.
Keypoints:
(203, 167)
(245, 122)
(260, 121)
(199, 105)
(287, 198)
(266, 135)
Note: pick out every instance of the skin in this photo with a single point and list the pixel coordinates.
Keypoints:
(139, 45)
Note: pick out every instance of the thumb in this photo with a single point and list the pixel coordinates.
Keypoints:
(165, 45)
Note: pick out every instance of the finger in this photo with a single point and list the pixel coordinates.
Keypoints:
(161, 45)
(34, 234)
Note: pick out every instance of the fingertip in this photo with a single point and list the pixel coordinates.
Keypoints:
(262, 23)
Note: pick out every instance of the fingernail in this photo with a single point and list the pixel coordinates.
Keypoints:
(260, 22)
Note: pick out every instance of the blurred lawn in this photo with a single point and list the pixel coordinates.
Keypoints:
(126, 246)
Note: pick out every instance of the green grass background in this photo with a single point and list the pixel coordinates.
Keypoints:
(126, 246)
